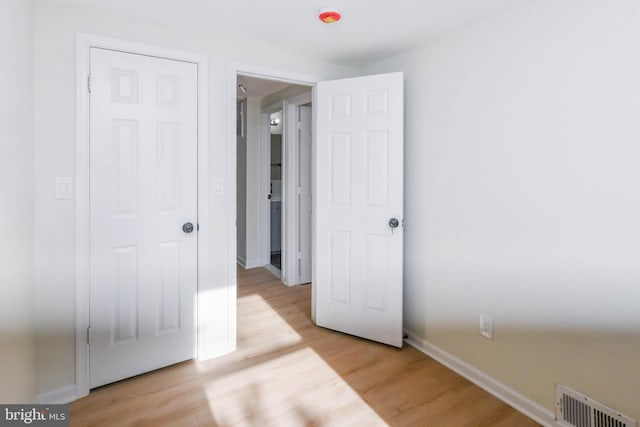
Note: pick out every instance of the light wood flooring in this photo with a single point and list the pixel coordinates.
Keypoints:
(288, 372)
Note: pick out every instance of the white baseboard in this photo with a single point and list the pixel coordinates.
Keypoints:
(511, 397)
(59, 396)
(253, 263)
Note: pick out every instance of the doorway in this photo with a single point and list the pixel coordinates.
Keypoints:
(357, 170)
(273, 178)
(275, 190)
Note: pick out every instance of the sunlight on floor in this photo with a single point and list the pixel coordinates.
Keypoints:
(297, 389)
(263, 325)
(261, 331)
(288, 372)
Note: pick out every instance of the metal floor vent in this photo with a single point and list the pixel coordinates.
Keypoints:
(574, 409)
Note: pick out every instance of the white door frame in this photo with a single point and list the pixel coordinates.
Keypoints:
(84, 43)
(259, 72)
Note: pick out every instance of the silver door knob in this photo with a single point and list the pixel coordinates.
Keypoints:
(394, 223)
(187, 227)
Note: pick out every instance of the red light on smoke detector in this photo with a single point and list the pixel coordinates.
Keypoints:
(329, 16)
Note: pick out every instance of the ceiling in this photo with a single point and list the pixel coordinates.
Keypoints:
(370, 30)
(258, 87)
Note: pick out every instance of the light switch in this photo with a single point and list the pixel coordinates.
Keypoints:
(63, 188)
(218, 186)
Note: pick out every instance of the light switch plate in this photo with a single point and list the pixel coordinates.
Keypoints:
(63, 188)
(218, 186)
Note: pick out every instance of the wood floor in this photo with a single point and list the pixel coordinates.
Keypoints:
(287, 372)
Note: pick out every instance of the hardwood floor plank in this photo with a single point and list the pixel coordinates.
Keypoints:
(288, 372)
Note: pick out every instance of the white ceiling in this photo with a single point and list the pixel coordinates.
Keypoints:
(259, 87)
(370, 29)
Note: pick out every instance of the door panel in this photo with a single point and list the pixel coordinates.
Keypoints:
(359, 188)
(143, 185)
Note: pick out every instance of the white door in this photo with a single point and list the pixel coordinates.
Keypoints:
(359, 207)
(297, 196)
(143, 185)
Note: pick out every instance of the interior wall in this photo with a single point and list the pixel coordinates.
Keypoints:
(281, 95)
(241, 183)
(253, 182)
(17, 344)
(522, 197)
(56, 26)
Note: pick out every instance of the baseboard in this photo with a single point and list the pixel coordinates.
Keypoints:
(59, 396)
(253, 263)
(512, 398)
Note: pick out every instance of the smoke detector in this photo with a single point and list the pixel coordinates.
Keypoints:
(329, 15)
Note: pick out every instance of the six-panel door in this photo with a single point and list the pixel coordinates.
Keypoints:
(143, 172)
(359, 189)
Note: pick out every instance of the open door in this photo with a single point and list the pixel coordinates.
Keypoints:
(358, 239)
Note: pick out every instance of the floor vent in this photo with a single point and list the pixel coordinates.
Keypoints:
(577, 410)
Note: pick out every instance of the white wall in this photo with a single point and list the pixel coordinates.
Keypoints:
(54, 43)
(284, 94)
(254, 181)
(17, 347)
(523, 197)
(241, 188)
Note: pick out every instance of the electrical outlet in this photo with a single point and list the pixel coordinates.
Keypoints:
(486, 326)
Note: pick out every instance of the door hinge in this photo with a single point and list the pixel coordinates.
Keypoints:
(89, 335)
(89, 83)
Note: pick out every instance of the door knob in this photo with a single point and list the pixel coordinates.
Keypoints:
(187, 227)
(394, 223)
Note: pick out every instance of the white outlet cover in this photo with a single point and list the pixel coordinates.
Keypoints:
(486, 326)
